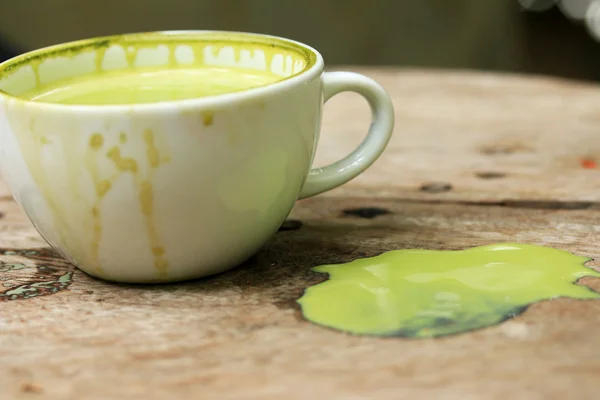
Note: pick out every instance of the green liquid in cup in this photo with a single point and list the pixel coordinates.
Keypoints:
(149, 85)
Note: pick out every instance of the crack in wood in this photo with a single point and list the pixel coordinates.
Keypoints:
(527, 204)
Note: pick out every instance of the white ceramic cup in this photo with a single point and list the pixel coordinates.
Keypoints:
(174, 190)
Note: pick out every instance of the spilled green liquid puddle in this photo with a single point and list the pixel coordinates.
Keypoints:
(424, 293)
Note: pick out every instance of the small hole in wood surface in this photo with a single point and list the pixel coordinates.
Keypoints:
(366, 212)
(436, 187)
(490, 175)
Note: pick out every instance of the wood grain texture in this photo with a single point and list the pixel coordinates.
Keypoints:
(239, 335)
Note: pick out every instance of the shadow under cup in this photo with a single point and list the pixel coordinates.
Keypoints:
(161, 191)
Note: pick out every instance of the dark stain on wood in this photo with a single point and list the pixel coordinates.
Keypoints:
(500, 150)
(31, 388)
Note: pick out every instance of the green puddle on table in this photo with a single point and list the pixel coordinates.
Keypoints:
(427, 293)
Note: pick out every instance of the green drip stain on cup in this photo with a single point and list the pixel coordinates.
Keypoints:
(424, 293)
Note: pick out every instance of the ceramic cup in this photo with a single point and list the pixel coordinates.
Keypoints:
(174, 190)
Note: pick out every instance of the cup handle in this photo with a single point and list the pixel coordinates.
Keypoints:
(320, 180)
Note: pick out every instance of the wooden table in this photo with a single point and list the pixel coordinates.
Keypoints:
(476, 159)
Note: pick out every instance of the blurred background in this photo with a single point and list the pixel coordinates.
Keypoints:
(554, 37)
